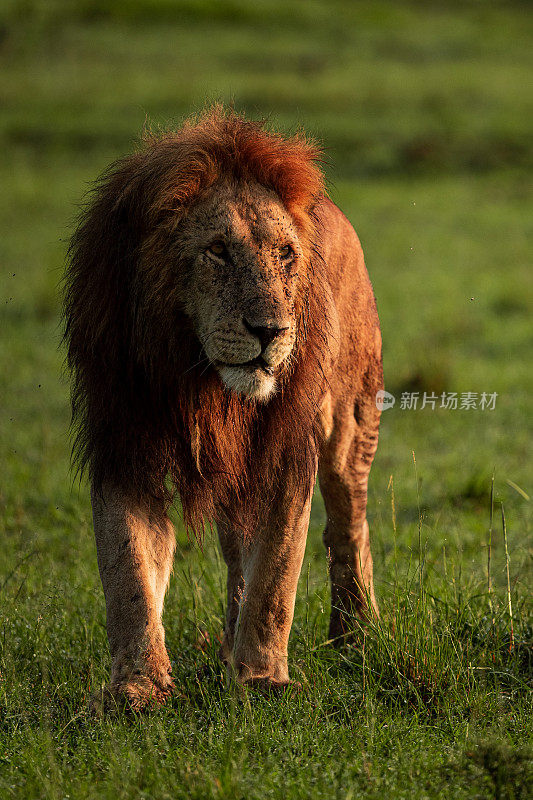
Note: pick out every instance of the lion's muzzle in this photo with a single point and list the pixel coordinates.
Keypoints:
(244, 344)
(247, 356)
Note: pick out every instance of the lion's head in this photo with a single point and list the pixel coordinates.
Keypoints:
(245, 256)
(188, 299)
(241, 264)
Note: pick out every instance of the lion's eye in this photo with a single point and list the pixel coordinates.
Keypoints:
(286, 253)
(217, 249)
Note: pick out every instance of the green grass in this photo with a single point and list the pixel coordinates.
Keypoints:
(425, 113)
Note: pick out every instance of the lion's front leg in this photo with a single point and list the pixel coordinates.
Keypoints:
(135, 547)
(271, 564)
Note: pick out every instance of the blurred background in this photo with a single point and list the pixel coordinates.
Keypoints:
(424, 110)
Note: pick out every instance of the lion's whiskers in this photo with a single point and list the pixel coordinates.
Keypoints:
(197, 364)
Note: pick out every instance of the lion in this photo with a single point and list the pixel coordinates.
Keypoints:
(225, 348)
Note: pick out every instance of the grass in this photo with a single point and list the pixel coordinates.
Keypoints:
(424, 111)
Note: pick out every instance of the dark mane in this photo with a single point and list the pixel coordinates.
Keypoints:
(148, 414)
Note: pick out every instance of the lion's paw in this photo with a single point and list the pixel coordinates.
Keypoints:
(135, 695)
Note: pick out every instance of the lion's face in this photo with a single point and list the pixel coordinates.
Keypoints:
(246, 263)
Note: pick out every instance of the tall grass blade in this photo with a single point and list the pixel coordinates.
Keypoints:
(504, 526)
(420, 563)
(489, 546)
(395, 531)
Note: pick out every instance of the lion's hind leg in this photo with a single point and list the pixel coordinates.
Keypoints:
(135, 547)
(343, 471)
(231, 551)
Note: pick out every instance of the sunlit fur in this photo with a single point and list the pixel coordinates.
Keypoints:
(152, 415)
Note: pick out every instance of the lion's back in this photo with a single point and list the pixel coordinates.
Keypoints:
(359, 359)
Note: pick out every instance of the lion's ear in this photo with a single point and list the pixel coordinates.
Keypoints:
(101, 263)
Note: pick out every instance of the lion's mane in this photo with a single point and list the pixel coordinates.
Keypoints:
(149, 416)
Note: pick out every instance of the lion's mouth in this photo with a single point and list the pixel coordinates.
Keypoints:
(255, 363)
(254, 379)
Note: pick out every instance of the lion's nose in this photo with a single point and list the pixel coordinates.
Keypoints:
(265, 333)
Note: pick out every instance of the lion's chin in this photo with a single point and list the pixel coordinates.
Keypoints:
(250, 381)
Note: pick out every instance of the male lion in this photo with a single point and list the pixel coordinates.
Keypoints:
(225, 346)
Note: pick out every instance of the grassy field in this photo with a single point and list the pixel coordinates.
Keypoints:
(425, 113)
